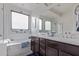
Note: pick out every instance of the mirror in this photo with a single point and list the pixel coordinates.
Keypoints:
(48, 25)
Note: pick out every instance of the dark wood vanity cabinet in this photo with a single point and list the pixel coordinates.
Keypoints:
(51, 48)
(51, 51)
(35, 44)
(62, 53)
(48, 47)
(69, 49)
(42, 46)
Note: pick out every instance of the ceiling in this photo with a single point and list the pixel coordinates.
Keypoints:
(47, 9)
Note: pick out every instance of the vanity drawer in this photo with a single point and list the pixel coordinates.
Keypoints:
(68, 49)
(62, 53)
(42, 47)
(50, 41)
(42, 51)
(51, 51)
(36, 46)
(71, 49)
(51, 44)
(42, 40)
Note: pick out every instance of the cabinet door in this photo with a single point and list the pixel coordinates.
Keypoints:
(51, 48)
(61, 53)
(51, 51)
(71, 49)
(42, 47)
(33, 44)
(36, 45)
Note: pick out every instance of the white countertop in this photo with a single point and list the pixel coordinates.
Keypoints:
(60, 39)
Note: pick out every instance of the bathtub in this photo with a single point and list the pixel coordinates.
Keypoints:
(14, 48)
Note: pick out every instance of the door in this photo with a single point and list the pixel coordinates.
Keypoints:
(1, 21)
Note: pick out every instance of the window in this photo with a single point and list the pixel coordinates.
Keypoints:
(47, 25)
(40, 24)
(19, 21)
(34, 22)
(60, 27)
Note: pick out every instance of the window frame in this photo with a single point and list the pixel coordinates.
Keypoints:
(50, 26)
(41, 24)
(34, 21)
(22, 14)
(21, 30)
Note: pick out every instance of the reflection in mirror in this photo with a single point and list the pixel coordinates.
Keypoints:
(40, 24)
(48, 25)
(60, 28)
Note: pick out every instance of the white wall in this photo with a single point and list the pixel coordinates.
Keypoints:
(8, 33)
(69, 20)
(1, 21)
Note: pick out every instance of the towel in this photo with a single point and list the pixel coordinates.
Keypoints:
(24, 44)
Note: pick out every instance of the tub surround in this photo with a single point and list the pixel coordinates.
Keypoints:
(13, 48)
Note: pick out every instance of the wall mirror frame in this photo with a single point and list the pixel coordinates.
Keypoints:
(53, 25)
(76, 12)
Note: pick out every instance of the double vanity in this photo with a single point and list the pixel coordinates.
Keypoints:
(54, 46)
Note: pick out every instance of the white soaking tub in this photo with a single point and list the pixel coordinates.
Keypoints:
(14, 48)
